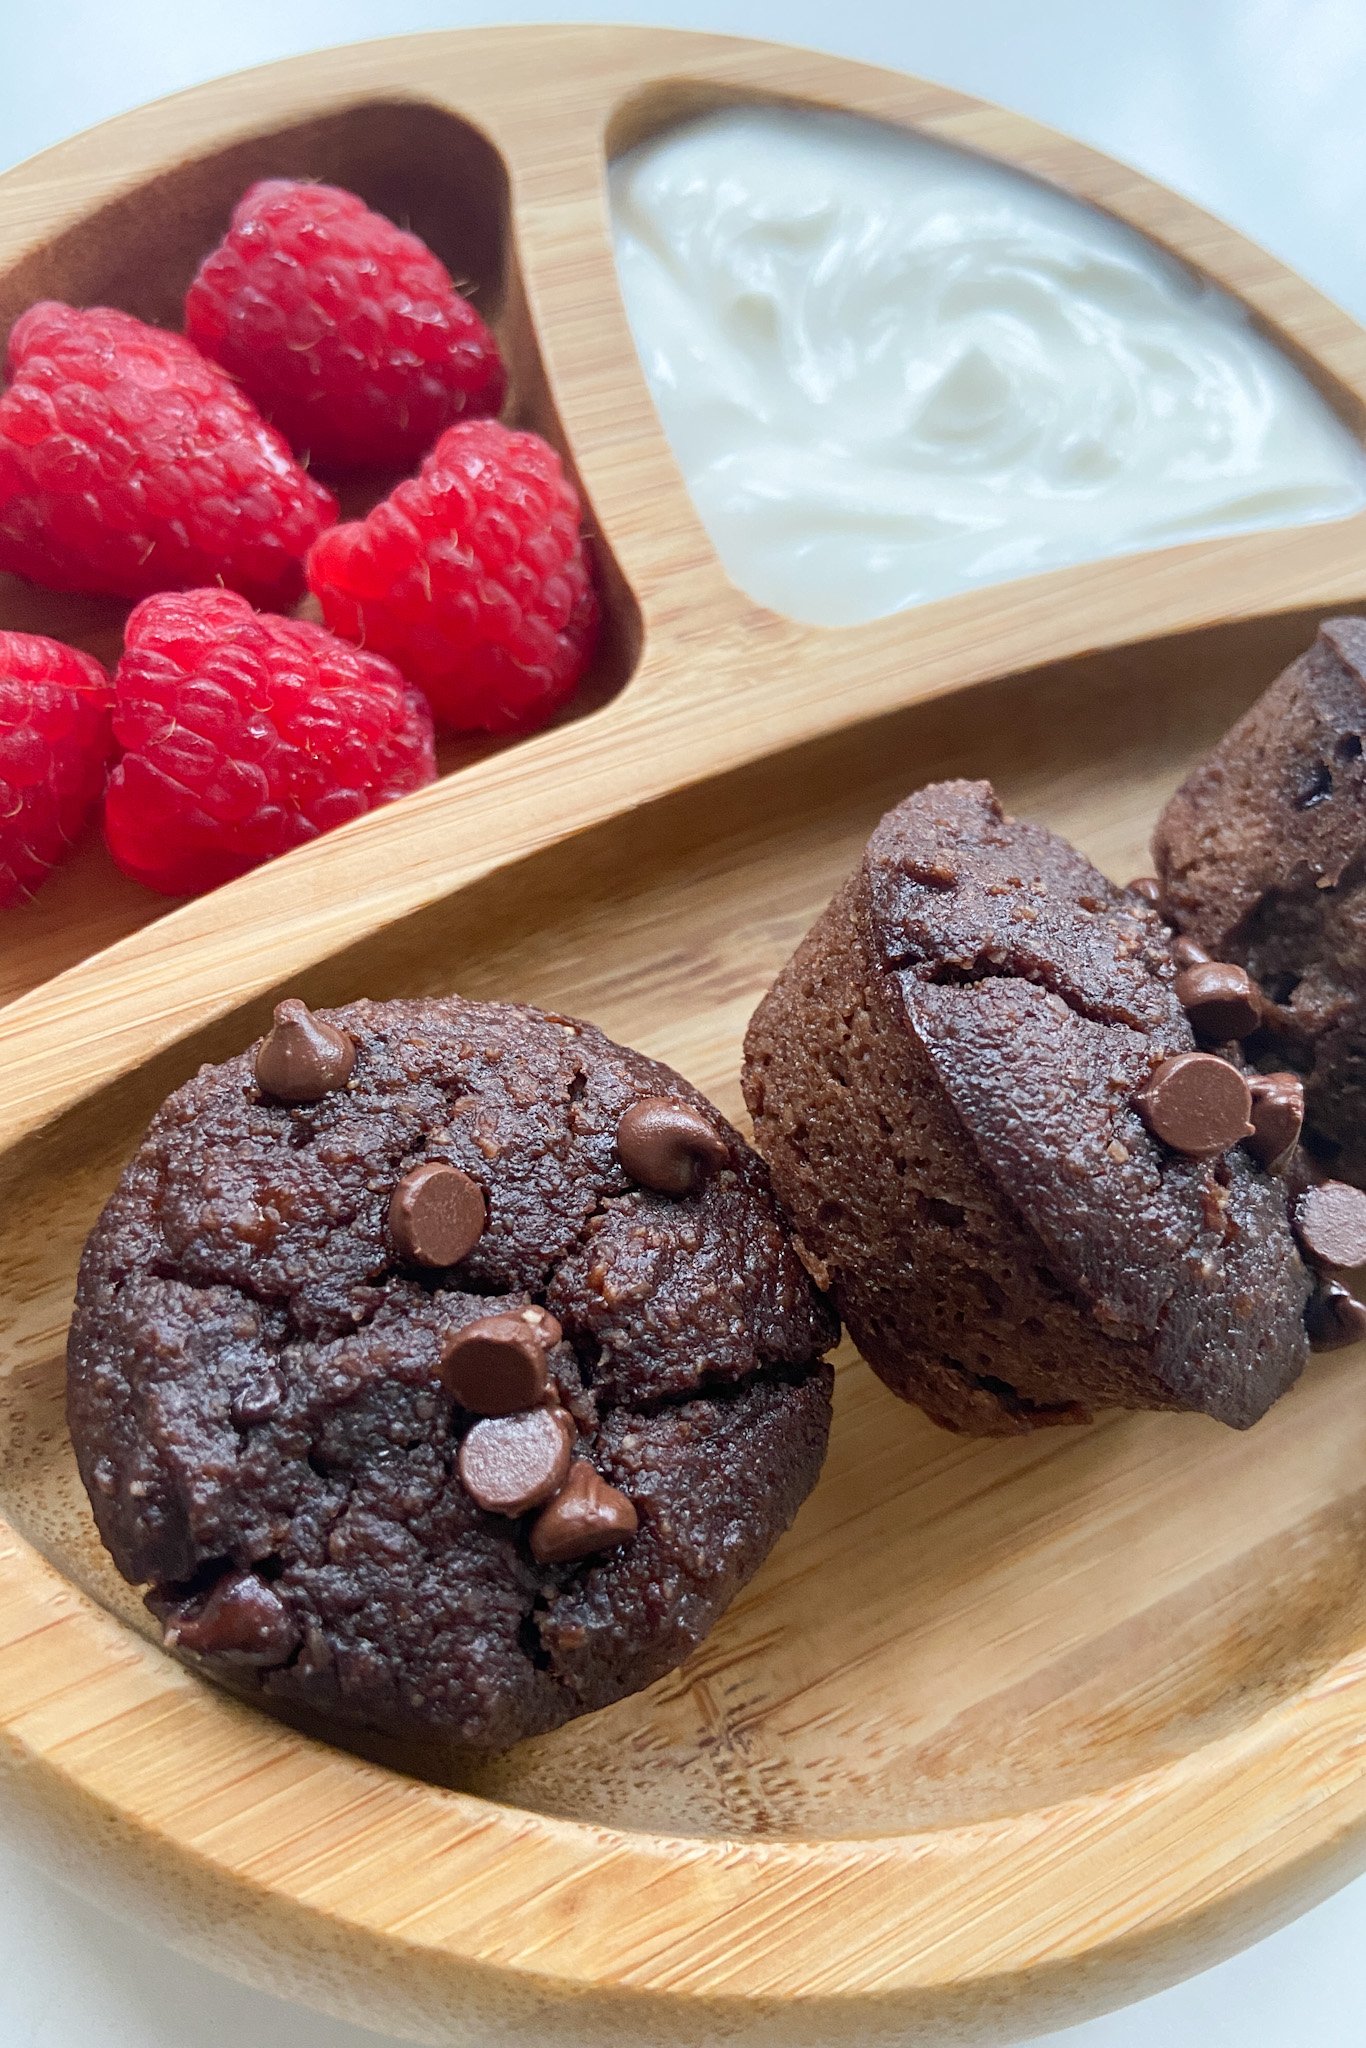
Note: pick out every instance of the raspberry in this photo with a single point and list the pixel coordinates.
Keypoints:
(246, 735)
(346, 331)
(130, 464)
(473, 577)
(54, 747)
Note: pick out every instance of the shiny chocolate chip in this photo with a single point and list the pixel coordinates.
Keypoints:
(1221, 1000)
(510, 1464)
(1277, 1117)
(1196, 1103)
(1188, 952)
(1330, 1223)
(1147, 887)
(497, 1365)
(243, 1620)
(587, 1516)
(436, 1214)
(1334, 1317)
(668, 1146)
(302, 1058)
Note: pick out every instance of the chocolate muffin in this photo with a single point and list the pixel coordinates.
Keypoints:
(1261, 857)
(983, 1106)
(443, 1367)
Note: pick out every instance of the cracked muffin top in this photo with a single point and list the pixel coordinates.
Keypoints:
(984, 1107)
(443, 1367)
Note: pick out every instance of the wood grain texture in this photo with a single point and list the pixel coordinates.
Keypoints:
(1004, 1732)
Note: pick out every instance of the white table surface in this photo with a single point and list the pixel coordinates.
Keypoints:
(1253, 107)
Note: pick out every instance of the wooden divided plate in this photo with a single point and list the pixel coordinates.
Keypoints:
(1004, 1733)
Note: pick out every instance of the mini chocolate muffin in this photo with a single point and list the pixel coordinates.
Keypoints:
(444, 1368)
(958, 1083)
(1261, 856)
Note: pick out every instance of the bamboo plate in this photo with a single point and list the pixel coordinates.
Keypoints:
(1004, 1733)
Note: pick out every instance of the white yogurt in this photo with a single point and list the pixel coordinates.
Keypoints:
(891, 370)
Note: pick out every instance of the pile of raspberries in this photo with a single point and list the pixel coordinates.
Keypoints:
(184, 471)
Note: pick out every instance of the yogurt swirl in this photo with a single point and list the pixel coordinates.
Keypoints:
(891, 370)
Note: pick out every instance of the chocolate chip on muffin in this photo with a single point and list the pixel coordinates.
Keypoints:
(499, 1364)
(512, 1463)
(436, 1214)
(414, 1399)
(666, 1145)
(1329, 1217)
(1330, 1223)
(1030, 1192)
(1335, 1317)
(1220, 999)
(1277, 1118)
(585, 1516)
(1261, 856)
(302, 1057)
(1196, 1104)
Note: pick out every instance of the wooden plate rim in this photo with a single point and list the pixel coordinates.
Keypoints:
(977, 1904)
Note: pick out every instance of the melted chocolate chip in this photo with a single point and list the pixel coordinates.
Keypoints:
(256, 1399)
(1196, 1103)
(586, 1517)
(1147, 887)
(1330, 1223)
(436, 1214)
(1221, 1000)
(243, 1619)
(512, 1463)
(302, 1058)
(1188, 952)
(668, 1146)
(1277, 1117)
(497, 1365)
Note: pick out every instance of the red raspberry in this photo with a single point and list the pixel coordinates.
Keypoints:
(246, 735)
(129, 464)
(55, 744)
(346, 331)
(473, 577)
